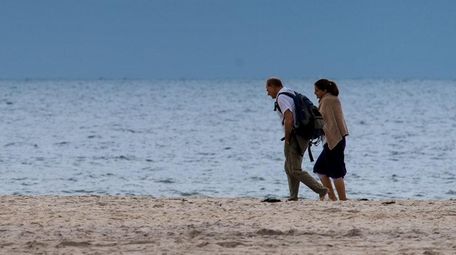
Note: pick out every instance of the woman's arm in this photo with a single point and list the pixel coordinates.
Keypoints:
(339, 118)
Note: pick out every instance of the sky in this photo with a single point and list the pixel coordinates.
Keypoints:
(227, 39)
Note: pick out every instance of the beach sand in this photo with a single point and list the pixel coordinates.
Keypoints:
(145, 225)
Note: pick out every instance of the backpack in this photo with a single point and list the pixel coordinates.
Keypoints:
(308, 120)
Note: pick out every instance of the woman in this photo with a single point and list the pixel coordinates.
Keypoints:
(330, 164)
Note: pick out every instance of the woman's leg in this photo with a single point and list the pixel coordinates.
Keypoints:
(340, 187)
(327, 183)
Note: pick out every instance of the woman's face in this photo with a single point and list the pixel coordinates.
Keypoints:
(320, 93)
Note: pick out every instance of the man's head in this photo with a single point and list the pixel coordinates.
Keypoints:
(273, 86)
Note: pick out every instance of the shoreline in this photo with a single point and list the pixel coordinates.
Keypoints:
(143, 225)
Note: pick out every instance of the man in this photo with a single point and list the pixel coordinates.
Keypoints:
(295, 145)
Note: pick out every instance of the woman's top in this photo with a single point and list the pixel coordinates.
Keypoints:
(335, 127)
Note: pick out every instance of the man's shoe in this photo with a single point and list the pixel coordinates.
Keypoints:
(292, 199)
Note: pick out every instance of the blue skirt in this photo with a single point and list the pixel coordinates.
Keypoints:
(331, 162)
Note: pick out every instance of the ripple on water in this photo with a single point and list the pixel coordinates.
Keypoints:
(20, 179)
(166, 181)
(257, 178)
(451, 192)
(63, 143)
(190, 194)
(27, 184)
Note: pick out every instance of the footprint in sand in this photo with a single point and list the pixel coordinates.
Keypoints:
(75, 244)
(233, 244)
(354, 232)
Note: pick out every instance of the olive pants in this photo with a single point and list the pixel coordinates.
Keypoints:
(294, 152)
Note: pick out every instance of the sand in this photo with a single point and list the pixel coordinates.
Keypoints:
(145, 225)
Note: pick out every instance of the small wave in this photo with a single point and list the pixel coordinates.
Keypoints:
(9, 144)
(26, 184)
(151, 169)
(206, 153)
(451, 192)
(256, 178)
(62, 143)
(79, 191)
(166, 181)
(131, 187)
(128, 130)
(123, 157)
(20, 179)
(190, 194)
(21, 144)
(144, 178)
(394, 178)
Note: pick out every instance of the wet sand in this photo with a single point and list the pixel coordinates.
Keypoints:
(145, 225)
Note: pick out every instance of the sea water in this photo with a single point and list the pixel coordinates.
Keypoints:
(217, 138)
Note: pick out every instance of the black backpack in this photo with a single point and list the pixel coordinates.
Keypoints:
(308, 120)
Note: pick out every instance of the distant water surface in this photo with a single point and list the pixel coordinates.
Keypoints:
(216, 138)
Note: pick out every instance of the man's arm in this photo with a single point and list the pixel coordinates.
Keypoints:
(288, 124)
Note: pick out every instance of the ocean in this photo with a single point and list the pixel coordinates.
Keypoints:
(217, 138)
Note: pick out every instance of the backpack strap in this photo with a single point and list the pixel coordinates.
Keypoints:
(310, 152)
(276, 104)
(287, 94)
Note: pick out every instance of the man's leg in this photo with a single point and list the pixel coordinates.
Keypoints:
(293, 182)
(297, 148)
(293, 185)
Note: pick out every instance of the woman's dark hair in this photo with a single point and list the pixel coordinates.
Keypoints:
(329, 86)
